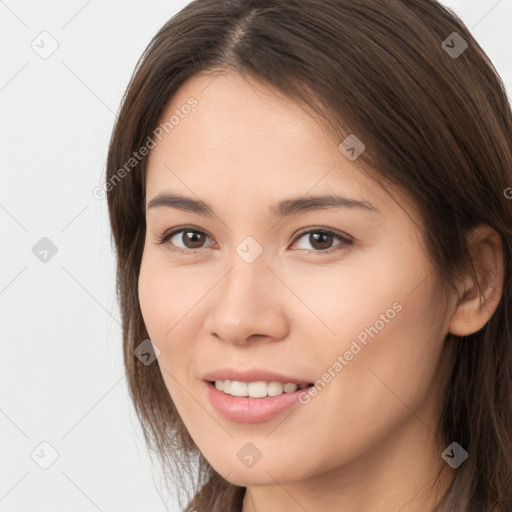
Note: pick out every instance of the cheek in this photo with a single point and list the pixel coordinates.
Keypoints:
(384, 363)
(169, 299)
(389, 330)
(166, 295)
(162, 308)
(151, 293)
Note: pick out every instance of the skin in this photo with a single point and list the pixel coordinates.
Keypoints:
(366, 442)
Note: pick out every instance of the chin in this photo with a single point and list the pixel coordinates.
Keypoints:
(261, 473)
(252, 476)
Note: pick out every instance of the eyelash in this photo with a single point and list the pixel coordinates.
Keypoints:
(345, 240)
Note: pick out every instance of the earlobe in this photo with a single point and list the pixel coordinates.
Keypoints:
(481, 298)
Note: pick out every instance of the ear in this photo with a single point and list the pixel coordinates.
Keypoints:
(479, 299)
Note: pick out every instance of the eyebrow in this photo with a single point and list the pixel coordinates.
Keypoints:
(284, 208)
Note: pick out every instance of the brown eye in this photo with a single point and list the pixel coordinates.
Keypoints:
(184, 240)
(322, 241)
(192, 239)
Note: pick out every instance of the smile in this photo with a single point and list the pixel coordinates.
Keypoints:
(258, 389)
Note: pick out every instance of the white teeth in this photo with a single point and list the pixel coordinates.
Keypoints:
(290, 387)
(238, 388)
(256, 389)
(275, 388)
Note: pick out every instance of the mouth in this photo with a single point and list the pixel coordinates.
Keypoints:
(253, 402)
(257, 389)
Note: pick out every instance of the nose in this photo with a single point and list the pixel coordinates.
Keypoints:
(248, 304)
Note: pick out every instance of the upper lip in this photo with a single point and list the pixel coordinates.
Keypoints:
(253, 375)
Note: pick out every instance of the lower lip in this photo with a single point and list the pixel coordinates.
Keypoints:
(247, 409)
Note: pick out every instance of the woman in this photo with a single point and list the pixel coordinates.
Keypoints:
(308, 200)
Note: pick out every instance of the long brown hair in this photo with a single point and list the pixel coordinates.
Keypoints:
(435, 122)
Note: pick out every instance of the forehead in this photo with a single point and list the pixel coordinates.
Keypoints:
(237, 119)
(247, 141)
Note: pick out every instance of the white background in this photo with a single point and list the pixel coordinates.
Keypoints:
(62, 379)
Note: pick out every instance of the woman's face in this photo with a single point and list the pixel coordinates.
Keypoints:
(280, 283)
